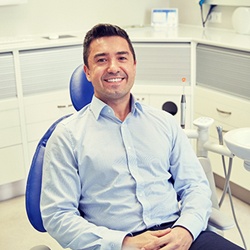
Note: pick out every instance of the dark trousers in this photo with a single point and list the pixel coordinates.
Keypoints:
(207, 240)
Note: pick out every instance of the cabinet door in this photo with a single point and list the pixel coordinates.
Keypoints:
(225, 70)
(163, 63)
(7, 76)
(50, 69)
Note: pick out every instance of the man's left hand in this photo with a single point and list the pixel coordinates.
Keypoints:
(179, 239)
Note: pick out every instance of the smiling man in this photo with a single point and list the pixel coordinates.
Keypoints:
(119, 174)
(111, 68)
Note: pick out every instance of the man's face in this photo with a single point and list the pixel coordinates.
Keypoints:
(111, 68)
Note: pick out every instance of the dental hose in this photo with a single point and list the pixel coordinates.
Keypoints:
(227, 188)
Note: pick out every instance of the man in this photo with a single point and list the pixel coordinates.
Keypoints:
(114, 172)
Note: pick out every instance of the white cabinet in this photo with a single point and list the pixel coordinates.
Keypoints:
(223, 93)
(230, 112)
(11, 150)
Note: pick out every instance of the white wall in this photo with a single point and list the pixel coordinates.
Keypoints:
(189, 13)
(49, 16)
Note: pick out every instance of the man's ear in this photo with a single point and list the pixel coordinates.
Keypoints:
(86, 70)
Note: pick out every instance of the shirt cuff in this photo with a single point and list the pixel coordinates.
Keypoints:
(114, 239)
(192, 224)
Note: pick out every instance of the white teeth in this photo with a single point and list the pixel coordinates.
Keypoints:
(114, 80)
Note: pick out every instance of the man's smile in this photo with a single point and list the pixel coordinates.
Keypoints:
(112, 80)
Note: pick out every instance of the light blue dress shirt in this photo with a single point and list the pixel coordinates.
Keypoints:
(122, 176)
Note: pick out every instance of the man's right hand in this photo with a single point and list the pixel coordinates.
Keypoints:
(148, 237)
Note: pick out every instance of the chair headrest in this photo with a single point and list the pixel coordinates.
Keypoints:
(81, 90)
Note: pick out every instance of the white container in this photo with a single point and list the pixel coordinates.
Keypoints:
(241, 20)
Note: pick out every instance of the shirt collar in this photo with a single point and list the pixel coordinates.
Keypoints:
(97, 106)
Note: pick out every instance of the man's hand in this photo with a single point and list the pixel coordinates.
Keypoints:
(168, 239)
(145, 239)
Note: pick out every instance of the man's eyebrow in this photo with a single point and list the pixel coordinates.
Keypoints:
(105, 54)
(122, 53)
(100, 54)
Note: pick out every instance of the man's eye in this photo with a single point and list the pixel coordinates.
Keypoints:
(101, 60)
(122, 58)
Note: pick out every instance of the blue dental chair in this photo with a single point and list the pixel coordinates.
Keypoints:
(81, 93)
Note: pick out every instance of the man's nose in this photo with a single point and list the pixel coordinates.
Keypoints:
(113, 66)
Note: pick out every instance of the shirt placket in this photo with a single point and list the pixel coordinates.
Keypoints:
(135, 173)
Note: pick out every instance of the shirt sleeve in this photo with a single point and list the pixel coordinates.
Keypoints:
(191, 185)
(61, 191)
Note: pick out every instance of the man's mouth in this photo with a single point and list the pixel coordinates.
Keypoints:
(114, 80)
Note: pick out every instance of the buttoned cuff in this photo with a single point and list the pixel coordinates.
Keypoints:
(114, 239)
(192, 224)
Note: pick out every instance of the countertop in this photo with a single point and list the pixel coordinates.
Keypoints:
(183, 33)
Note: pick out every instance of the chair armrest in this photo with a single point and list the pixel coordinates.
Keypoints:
(220, 221)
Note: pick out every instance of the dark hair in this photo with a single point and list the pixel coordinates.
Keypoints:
(102, 30)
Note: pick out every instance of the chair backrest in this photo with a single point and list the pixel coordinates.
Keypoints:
(80, 89)
(81, 93)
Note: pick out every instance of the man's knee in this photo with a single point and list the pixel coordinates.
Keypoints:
(208, 240)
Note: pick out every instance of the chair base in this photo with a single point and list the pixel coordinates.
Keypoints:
(40, 247)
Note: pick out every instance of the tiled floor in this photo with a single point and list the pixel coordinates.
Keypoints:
(17, 234)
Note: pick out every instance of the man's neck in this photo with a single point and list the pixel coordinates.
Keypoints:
(121, 108)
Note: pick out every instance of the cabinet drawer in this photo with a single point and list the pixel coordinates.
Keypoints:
(10, 130)
(230, 111)
(10, 136)
(47, 111)
(9, 118)
(12, 164)
(35, 131)
(47, 107)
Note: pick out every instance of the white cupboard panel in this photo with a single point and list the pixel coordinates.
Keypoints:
(50, 69)
(229, 110)
(163, 63)
(7, 76)
(9, 118)
(12, 164)
(35, 131)
(10, 136)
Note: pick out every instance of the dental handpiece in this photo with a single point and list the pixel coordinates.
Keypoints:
(183, 111)
(183, 105)
(220, 135)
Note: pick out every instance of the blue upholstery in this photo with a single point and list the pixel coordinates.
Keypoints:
(34, 182)
(81, 93)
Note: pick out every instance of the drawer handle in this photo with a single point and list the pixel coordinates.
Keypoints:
(223, 112)
(61, 106)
